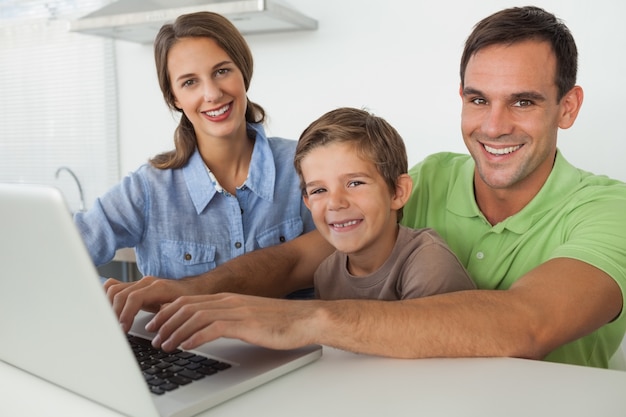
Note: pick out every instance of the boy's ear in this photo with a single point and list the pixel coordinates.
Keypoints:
(305, 198)
(404, 186)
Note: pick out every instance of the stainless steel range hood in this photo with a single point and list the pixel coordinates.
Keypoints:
(140, 20)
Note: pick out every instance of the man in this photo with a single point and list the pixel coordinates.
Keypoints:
(544, 241)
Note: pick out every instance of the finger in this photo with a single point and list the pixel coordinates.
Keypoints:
(115, 294)
(147, 294)
(185, 317)
(126, 301)
(112, 288)
(110, 282)
(200, 328)
(184, 304)
(163, 315)
(213, 331)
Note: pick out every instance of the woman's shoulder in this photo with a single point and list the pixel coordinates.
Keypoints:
(281, 147)
(152, 177)
(282, 143)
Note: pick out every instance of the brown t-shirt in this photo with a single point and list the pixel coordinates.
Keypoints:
(420, 264)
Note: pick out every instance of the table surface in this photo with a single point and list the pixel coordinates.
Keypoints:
(343, 383)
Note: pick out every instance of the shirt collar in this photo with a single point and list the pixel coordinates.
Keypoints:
(199, 184)
(460, 199)
(261, 175)
(563, 178)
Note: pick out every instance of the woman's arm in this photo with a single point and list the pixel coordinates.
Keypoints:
(272, 272)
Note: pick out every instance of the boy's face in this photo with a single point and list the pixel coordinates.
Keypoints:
(351, 204)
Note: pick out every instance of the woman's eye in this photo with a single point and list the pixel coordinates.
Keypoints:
(188, 83)
(222, 71)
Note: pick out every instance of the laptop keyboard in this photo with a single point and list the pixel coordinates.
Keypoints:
(166, 371)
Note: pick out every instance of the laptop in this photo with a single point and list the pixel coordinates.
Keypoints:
(56, 322)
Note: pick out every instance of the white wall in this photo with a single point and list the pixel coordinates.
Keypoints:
(400, 59)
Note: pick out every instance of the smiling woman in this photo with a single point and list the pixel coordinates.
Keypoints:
(59, 105)
(225, 189)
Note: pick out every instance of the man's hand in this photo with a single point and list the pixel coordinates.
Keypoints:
(190, 321)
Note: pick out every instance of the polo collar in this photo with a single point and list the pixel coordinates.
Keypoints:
(562, 180)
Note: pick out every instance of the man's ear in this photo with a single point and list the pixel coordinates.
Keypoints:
(570, 106)
(404, 186)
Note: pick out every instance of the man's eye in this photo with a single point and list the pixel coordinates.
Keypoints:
(478, 100)
(523, 103)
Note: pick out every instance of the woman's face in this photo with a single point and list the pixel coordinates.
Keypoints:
(208, 87)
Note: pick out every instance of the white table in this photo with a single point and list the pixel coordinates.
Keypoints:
(345, 384)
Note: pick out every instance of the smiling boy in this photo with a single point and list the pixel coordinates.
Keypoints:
(353, 172)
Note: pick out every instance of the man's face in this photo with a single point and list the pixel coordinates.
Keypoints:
(511, 116)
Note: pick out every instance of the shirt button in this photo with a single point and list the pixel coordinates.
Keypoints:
(188, 257)
(282, 239)
(238, 245)
(480, 255)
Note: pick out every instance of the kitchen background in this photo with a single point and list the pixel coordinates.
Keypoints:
(398, 58)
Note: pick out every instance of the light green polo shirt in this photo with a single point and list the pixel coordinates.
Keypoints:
(575, 215)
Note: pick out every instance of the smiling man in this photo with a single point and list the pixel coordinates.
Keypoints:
(544, 241)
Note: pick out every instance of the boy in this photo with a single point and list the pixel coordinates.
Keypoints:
(353, 173)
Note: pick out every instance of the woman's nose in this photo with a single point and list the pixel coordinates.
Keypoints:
(212, 92)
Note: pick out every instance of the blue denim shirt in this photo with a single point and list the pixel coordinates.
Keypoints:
(181, 226)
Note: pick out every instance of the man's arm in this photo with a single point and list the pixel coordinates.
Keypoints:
(273, 272)
(559, 301)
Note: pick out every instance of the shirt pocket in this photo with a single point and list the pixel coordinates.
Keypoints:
(280, 233)
(182, 259)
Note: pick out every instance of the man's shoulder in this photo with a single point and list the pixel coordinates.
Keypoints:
(594, 186)
(440, 166)
(442, 159)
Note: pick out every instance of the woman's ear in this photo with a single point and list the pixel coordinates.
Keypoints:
(404, 186)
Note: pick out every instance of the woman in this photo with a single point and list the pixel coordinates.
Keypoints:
(225, 189)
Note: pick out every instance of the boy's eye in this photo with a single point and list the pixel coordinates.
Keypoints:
(355, 183)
